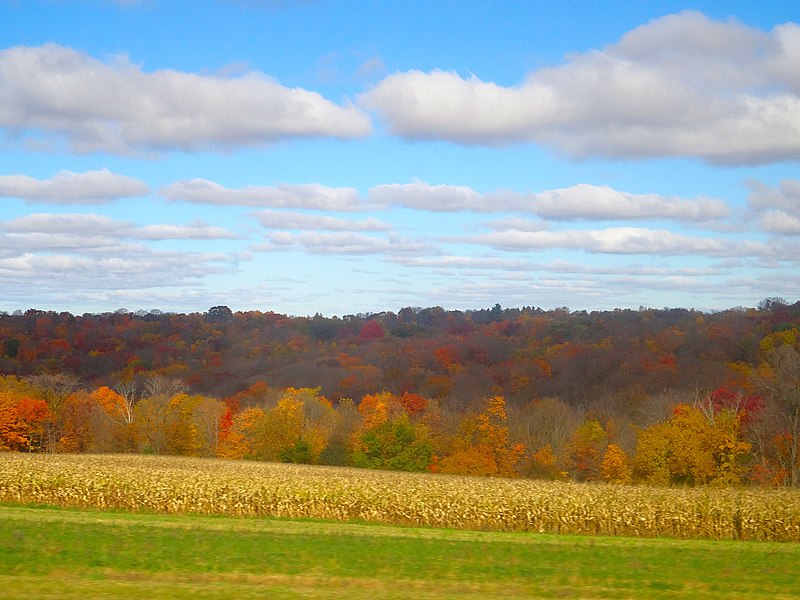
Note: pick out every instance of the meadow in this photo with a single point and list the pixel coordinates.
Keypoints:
(70, 554)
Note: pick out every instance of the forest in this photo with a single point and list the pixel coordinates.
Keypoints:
(662, 396)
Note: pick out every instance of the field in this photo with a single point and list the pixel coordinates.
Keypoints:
(69, 554)
(133, 527)
(175, 485)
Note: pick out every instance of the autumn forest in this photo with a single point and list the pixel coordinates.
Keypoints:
(661, 396)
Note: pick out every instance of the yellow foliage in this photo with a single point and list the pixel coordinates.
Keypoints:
(615, 467)
(374, 409)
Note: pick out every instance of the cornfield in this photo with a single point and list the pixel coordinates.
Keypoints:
(251, 489)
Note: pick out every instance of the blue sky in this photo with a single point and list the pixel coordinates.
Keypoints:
(343, 157)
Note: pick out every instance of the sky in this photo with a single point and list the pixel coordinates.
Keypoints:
(342, 157)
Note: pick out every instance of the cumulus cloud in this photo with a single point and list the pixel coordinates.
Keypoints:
(289, 220)
(66, 187)
(307, 196)
(583, 201)
(681, 85)
(117, 107)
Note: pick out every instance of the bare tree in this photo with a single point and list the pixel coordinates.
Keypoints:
(158, 385)
(56, 387)
(783, 387)
(129, 391)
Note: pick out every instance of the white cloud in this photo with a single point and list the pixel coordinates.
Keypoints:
(289, 220)
(66, 187)
(94, 257)
(421, 195)
(117, 107)
(197, 231)
(371, 67)
(681, 85)
(75, 224)
(786, 197)
(617, 240)
(93, 234)
(55, 273)
(602, 202)
(777, 221)
(582, 201)
(307, 196)
(777, 208)
(341, 242)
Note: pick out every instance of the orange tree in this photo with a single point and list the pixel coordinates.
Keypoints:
(482, 446)
(22, 415)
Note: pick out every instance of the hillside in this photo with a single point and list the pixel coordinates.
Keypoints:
(667, 396)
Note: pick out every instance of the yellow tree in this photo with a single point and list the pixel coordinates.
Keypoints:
(281, 428)
(180, 431)
(615, 467)
(586, 450)
(687, 449)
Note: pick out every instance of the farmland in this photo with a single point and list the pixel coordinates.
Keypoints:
(179, 485)
(130, 526)
(67, 554)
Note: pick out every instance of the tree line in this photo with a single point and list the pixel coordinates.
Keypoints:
(667, 396)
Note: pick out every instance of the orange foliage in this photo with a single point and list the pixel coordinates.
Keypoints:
(544, 464)
(486, 437)
(12, 428)
(76, 419)
(374, 409)
(116, 406)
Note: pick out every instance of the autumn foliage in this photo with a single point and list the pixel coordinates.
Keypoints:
(669, 397)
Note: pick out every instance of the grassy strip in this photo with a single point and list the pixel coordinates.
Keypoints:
(49, 553)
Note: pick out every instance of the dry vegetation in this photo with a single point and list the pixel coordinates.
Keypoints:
(206, 486)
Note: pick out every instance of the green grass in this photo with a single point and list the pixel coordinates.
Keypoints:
(57, 553)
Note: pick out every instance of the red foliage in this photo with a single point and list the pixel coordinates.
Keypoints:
(747, 405)
(413, 403)
(371, 330)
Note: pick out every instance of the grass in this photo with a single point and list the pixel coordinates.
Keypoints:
(67, 553)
